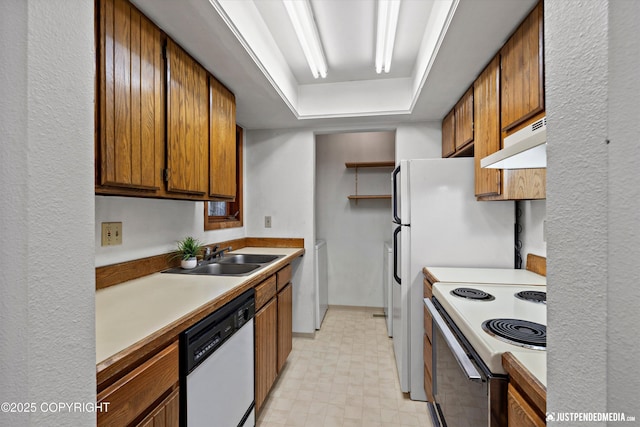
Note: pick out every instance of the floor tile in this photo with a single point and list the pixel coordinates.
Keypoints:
(344, 377)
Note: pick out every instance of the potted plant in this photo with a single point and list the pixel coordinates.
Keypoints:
(188, 250)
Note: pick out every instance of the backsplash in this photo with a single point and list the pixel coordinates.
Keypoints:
(151, 227)
(534, 213)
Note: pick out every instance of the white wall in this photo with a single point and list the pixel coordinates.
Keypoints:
(280, 181)
(419, 141)
(151, 227)
(592, 85)
(280, 173)
(354, 232)
(47, 341)
(534, 212)
(623, 296)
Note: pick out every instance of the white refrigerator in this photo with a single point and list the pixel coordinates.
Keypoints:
(438, 222)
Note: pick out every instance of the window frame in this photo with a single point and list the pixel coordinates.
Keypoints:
(222, 222)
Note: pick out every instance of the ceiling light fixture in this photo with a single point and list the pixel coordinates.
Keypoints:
(304, 25)
(388, 11)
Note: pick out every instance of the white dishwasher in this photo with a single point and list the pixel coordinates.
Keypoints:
(217, 366)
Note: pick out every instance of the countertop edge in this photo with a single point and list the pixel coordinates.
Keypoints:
(108, 370)
(525, 380)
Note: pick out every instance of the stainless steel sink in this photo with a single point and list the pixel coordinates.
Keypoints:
(248, 259)
(229, 265)
(218, 269)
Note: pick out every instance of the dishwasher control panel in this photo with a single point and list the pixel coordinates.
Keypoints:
(206, 336)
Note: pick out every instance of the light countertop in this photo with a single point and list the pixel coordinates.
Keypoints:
(132, 311)
(536, 363)
(486, 275)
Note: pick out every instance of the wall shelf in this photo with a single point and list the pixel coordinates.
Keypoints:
(355, 165)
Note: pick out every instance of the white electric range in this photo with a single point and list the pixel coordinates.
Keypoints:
(469, 315)
(472, 392)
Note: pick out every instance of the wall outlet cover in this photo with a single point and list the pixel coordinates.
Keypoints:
(111, 233)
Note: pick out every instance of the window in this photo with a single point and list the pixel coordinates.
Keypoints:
(218, 215)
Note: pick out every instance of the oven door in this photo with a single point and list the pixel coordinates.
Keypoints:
(466, 394)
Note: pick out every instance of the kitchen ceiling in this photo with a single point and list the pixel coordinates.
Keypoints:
(251, 47)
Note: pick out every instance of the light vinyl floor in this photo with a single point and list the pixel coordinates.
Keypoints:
(345, 376)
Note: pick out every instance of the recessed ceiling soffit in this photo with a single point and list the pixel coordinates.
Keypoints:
(347, 30)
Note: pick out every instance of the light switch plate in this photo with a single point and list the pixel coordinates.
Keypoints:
(111, 233)
(267, 222)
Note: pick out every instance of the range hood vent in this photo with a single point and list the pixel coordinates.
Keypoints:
(525, 149)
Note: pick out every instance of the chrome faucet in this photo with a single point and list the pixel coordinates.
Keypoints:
(207, 253)
(220, 253)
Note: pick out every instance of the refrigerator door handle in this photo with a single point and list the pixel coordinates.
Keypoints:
(394, 192)
(395, 254)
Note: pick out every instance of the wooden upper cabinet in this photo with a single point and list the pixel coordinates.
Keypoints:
(130, 108)
(222, 134)
(464, 120)
(522, 74)
(448, 134)
(487, 127)
(187, 124)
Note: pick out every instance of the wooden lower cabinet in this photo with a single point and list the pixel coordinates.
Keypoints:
(273, 330)
(285, 324)
(166, 414)
(140, 394)
(526, 395)
(519, 412)
(427, 344)
(266, 350)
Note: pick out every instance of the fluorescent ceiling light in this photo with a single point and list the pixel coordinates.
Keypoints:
(304, 25)
(386, 33)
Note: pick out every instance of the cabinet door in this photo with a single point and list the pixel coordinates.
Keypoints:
(448, 134)
(222, 134)
(487, 127)
(464, 120)
(187, 124)
(266, 350)
(522, 82)
(166, 414)
(133, 395)
(131, 102)
(519, 412)
(285, 324)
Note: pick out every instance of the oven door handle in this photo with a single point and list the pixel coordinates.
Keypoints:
(461, 356)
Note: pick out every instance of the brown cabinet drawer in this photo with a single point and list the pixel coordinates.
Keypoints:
(284, 277)
(133, 394)
(265, 291)
(427, 289)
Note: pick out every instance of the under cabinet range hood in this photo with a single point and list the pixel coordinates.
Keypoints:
(525, 149)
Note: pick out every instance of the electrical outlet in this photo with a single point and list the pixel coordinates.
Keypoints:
(111, 233)
(267, 222)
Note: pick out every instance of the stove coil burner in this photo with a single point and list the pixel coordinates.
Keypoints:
(518, 332)
(471, 293)
(534, 296)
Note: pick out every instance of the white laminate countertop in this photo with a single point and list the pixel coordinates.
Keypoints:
(536, 363)
(487, 275)
(129, 312)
